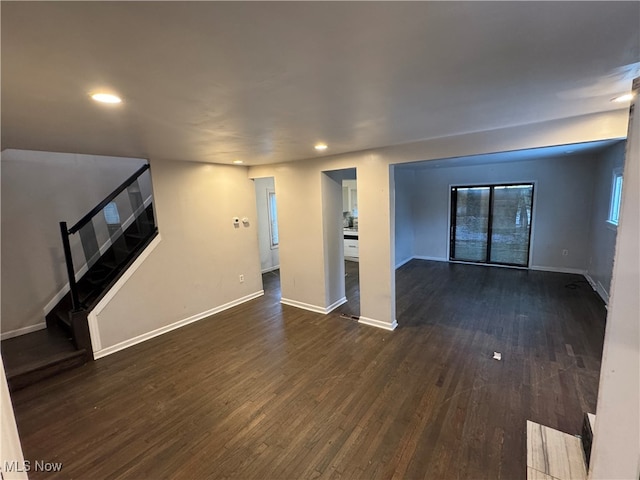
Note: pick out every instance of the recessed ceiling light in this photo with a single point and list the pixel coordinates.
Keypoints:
(320, 147)
(106, 98)
(238, 162)
(623, 98)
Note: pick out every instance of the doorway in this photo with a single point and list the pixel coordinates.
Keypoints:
(268, 235)
(351, 244)
(341, 241)
(491, 224)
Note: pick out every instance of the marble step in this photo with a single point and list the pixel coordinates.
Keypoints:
(553, 455)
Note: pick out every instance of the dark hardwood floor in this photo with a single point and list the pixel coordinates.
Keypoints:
(352, 290)
(265, 390)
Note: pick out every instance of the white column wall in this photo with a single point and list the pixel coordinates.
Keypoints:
(333, 239)
(616, 445)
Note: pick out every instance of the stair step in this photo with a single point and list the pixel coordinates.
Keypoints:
(34, 372)
(37, 355)
(95, 281)
(554, 454)
(109, 263)
(136, 236)
(62, 316)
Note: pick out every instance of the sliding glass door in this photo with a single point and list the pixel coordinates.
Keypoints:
(491, 224)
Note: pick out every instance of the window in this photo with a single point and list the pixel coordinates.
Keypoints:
(111, 215)
(616, 197)
(273, 219)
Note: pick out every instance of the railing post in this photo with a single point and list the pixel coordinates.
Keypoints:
(75, 301)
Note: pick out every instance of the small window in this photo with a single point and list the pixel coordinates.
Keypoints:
(616, 197)
(111, 215)
(273, 219)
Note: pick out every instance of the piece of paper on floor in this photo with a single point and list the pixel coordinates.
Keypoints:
(497, 356)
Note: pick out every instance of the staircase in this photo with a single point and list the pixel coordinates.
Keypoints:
(105, 246)
(555, 455)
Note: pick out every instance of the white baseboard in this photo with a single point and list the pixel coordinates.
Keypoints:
(313, 308)
(270, 269)
(421, 257)
(576, 271)
(336, 304)
(603, 293)
(403, 262)
(85, 268)
(433, 259)
(23, 331)
(304, 306)
(598, 288)
(378, 323)
(173, 326)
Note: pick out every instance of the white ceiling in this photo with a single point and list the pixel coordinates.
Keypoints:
(263, 81)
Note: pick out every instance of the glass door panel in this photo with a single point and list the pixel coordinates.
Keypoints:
(470, 223)
(511, 224)
(491, 224)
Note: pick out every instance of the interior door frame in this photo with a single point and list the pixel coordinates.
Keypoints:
(534, 210)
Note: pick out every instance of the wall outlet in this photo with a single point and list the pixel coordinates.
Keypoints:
(565, 252)
(241, 278)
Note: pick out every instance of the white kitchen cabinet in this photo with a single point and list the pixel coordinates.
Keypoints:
(351, 248)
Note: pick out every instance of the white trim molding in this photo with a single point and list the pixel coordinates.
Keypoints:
(103, 352)
(433, 259)
(270, 269)
(336, 304)
(603, 293)
(378, 323)
(23, 331)
(598, 288)
(403, 262)
(313, 308)
(576, 271)
(421, 257)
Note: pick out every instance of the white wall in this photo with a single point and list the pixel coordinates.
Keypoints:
(616, 445)
(10, 448)
(561, 215)
(195, 268)
(269, 256)
(404, 231)
(602, 233)
(333, 239)
(39, 190)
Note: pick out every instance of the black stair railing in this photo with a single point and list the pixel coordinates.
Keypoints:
(107, 237)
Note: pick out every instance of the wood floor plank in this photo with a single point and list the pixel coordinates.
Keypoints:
(265, 390)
